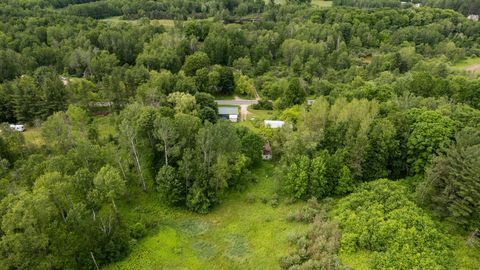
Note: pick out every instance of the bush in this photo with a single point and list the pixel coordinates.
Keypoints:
(138, 230)
(251, 198)
(264, 199)
(380, 218)
(275, 201)
(263, 105)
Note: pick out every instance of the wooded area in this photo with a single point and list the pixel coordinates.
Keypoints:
(380, 153)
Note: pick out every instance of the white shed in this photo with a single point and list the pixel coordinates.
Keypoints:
(273, 124)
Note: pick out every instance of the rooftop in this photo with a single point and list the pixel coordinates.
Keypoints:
(224, 110)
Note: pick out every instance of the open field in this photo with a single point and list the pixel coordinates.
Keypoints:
(118, 19)
(238, 234)
(322, 3)
(167, 23)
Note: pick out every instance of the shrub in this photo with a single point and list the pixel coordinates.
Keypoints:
(263, 105)
(251, 198)
(275, 201)
(138, 230)
(264, 199)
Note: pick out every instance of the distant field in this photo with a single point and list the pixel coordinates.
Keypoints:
(162, 22)
(470, 64)
(118, 19)
(322, 3)
(235, 235)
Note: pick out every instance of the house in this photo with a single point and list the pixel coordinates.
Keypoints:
(473, 17)
(273, 124)
(310, 102)
(417, 5)
(228, 113)
(19, 128)
(267, 152)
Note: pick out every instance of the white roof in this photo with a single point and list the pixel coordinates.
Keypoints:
(273, 124)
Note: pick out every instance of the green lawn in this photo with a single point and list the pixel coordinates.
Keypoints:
(259, 116)
(235, 235)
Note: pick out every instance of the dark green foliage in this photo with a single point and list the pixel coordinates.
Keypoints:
(170, 186)
(294, 94)
(451, 187)
(263, 105)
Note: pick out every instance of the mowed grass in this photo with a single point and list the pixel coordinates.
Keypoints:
(236, 235)
(258, 116)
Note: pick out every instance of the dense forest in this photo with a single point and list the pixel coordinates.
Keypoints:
(381, 150)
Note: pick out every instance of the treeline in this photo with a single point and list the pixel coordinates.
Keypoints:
(177, 9)
(465, 7)
(368, 3)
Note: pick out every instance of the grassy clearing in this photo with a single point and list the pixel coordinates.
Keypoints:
(472, 64)
(235, 235)
(118, 20)
(322, 3)
(33, 135)
(258, 116)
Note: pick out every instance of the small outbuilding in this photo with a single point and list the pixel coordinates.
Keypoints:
(267, 152)
(19, 128)
(273, 123)
(228, 113)
(473, 17)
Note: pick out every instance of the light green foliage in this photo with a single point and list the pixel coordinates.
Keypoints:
(165, 51)
(64, 130)
(297, 179)
(183, 103)
(108, 184)
(345, 183)
(379, 217)
(195, 62)
(244, 85)
(431, 134)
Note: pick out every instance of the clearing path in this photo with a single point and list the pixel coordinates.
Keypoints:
(473, 68)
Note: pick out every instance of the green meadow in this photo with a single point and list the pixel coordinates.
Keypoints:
(246, 231)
